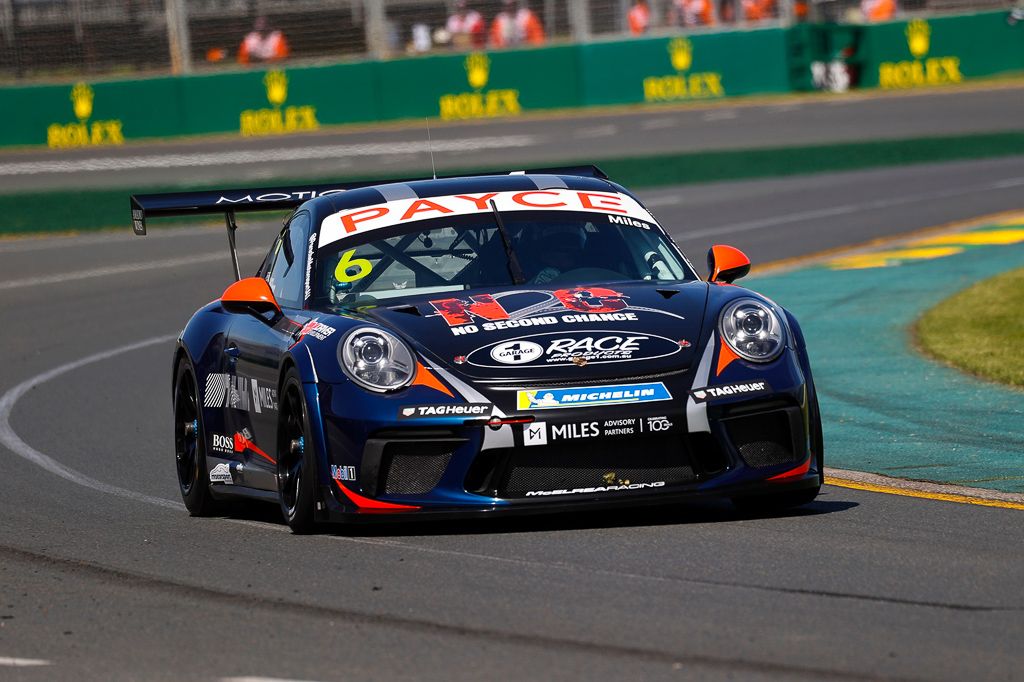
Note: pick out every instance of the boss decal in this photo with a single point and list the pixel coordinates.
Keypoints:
(745, 388)
(558, 349)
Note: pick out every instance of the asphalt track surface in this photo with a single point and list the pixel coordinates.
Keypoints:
(531, 140)
(105, 577)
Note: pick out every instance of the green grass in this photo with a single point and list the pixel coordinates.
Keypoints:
(76, 210)
(980, 329)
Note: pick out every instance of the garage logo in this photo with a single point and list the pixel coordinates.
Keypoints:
(516, 352)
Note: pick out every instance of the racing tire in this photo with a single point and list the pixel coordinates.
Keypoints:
(777, 502)
(296, 464)
(190, 445)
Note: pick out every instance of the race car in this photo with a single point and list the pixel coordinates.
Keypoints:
(528, 341)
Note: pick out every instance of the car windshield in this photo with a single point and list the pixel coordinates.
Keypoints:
(468, 252)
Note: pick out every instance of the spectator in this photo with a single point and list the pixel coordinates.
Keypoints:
(262, 44)
(466, 27)
(691, 13)
(878, 10)
(516, 24)
(639, 17)
(758, 10)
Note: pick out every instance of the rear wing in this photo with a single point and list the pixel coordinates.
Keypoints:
(232, 201)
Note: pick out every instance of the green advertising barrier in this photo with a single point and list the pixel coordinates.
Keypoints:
(80, 115)
(681, 68)
(940, 51)
(480, 85)
(279, 101)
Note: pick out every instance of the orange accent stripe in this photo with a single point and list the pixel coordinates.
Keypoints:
(725, 356)
(793, 473)
(424, 377)
(370, 505)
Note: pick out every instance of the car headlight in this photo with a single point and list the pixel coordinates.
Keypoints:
(376, 359)
(752, 330)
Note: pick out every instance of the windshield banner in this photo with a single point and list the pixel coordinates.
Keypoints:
(619, 209)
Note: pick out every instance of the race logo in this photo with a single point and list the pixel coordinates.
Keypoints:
(479, 103)
(343, 473)
(275, 121)
(591, 396)
(221, 474)
(577, 305)
(921, 70)
(516, 352)
(682, 85)
(562, 350)
(318, 330)
(535, 433)
(240, 393)
(707, 393)
(447, 410)
(84, 133)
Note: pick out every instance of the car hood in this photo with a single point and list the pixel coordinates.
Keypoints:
(532, 333)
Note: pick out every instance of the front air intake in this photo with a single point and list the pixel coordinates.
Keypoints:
(765, 439)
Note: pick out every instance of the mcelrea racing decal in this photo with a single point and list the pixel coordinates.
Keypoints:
(447, 410)
(590, 396)
(596, 489)
(730, 390)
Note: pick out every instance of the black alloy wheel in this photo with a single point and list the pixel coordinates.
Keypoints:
(296, 465)
(190, 445)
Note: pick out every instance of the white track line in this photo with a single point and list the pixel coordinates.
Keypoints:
(15, 444)
(143, 266)
(262, 156)
(22, 662)
(832, 211)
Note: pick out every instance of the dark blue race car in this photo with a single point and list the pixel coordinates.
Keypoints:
(520, 342)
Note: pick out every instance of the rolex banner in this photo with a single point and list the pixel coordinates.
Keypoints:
(681, 68)
(922, 52)
(697, 67)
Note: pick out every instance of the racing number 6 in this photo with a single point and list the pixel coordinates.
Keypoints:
(347, 261)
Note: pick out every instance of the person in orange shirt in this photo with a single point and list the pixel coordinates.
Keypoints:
(639, 17)
(878, 10)
(691, 13)
(262, 44)
(758, 10)
(516, 24)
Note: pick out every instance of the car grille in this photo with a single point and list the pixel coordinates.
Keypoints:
(414, 468)
(763, 440)
(584, 464)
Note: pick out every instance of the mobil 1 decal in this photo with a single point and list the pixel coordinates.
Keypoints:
(561, 349)
(537, 308)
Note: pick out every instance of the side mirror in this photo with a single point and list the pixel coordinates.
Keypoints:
(726, 264)
(251, 294)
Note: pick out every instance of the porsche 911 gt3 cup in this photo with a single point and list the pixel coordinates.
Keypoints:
(512, 342)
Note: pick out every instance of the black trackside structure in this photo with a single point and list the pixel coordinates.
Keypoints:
(502, 343)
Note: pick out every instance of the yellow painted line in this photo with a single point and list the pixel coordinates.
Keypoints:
(880, 242)
(881, 259)
(977, 238)
(906, 492)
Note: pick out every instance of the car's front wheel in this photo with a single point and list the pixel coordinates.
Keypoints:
(190, 445)
(296, 465)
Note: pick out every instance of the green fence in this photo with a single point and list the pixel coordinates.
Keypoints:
(507, 83)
